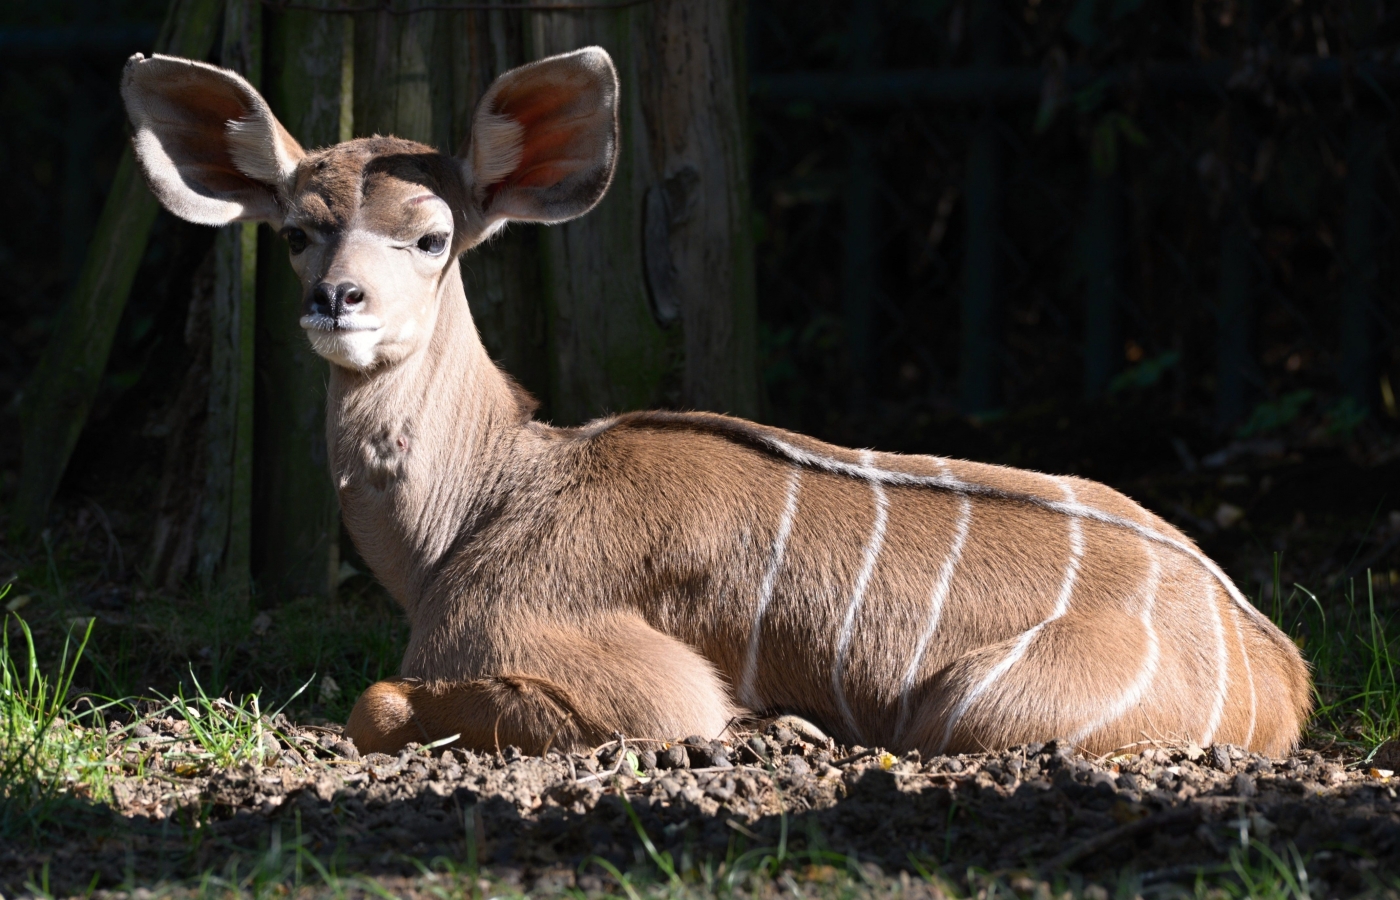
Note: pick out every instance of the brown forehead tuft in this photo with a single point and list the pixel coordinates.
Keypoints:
(381, 172)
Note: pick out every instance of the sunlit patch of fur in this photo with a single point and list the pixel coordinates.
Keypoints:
(255, 150)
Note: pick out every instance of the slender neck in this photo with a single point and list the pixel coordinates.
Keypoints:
(418, 448)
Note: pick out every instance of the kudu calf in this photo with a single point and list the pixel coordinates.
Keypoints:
(658, 573)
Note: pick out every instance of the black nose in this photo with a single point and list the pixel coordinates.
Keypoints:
(335, 300)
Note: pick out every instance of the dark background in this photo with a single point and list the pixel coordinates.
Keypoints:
(1147, 242)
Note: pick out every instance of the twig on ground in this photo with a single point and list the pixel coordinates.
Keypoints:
(847, 760)
(621, 758)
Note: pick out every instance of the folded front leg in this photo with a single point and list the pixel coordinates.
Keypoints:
(576, 690)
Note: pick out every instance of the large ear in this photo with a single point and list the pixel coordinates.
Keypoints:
(543, 145)
(212, 151)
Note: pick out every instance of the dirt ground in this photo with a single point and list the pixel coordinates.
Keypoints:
(1031, 812)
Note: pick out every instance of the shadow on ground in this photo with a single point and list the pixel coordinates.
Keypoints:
(1161, 816)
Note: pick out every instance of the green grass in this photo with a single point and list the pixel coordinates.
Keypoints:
(220, 733)
(45, 749)
(286, 867)
(1351, 644)
(53, 750)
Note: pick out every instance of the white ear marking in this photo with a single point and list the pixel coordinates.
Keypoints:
(254, 149)
(185, 114)
(497, 146)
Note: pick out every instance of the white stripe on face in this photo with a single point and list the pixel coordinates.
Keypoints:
(867, 566)
(1222, 669)
(1134, 694)
(936, 600)
(747, 694)
(1076, 552)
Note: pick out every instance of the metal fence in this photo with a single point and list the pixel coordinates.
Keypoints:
(979, 206)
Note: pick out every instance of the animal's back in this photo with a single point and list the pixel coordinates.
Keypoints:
(913, 601)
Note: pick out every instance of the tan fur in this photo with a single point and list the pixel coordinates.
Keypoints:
(636, 574)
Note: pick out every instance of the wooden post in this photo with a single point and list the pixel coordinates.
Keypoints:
(61, 390)
(650, 297)
(695, 107)
(296, 547)
(979, 364)
(225, 543)
(608, 350)
(394, 72)
(502, 277)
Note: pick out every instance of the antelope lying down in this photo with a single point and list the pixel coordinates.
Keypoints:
(658, 573)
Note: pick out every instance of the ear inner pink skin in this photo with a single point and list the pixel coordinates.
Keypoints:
(658, 574)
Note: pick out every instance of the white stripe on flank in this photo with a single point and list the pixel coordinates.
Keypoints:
(1249, 676)
(747, 695)
(1072, 509)
(1076, 552)
(867, 566)
(1148, 672)
(935, 604)
(1222, 671)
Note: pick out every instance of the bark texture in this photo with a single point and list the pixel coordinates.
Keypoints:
(297, 533)
(650, 297)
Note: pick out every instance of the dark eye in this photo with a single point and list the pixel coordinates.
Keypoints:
(296, 239)
(432, 244)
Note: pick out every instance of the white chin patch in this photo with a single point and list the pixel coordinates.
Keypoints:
(348, 349)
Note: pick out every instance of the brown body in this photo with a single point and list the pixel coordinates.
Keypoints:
(656, 574)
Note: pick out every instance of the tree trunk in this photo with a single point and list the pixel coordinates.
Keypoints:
(179, 500)
(225, 540)
(394, 69)
(61, 390)
(699, 93)
(650, 298)
(502, 277)
(297, 534)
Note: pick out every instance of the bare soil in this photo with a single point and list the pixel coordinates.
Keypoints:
(1034, 811)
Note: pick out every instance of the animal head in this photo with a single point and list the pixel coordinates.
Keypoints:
(374, 225)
